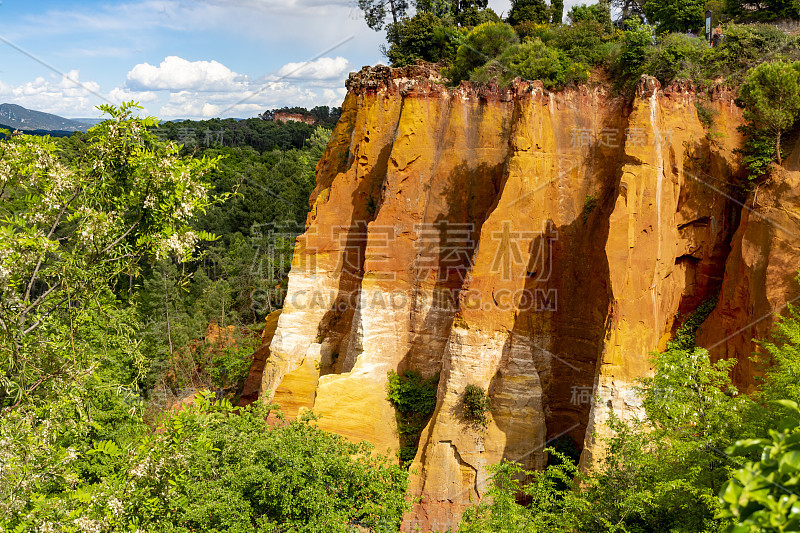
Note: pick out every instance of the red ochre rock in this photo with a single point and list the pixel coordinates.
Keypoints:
(537, 244)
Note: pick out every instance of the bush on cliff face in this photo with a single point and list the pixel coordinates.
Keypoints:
(477, 405)
(414, 399)
(556, 502)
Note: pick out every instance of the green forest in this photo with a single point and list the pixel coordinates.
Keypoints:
(138, 262)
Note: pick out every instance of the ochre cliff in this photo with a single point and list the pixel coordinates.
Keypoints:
(539, 245)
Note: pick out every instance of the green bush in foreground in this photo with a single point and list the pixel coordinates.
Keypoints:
(556, 503)
(763, 494)
(209, 468)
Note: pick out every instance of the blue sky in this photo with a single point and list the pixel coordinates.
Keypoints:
(182, 58)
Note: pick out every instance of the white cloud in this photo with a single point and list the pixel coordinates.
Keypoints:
(62, 95)
(121, 94)
(334, 97)
(245, 103)
(210, 89)
(324, 68)
(178, 74)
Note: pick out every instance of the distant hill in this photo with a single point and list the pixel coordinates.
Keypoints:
(17, 117)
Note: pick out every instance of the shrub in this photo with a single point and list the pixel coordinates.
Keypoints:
(475, 16)
(676, 56)
(599, 12)
(783, 346)
(414, 399)
(556, 500)
(675, 15)
(762, 495)
(763, 10)
(208, 469)
(482, 44)
(529, 10)
(477, 405)
(589, 205)
(745, 46)
(758, 152)
(584, 42)
(530, 30)
(630, 61)
(705, 114)
(684, 337)
(422, 36)
(533, 60)
(229, 367)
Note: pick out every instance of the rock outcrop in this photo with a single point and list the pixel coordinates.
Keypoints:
(761, 273)
(251, 388)
(539, 245)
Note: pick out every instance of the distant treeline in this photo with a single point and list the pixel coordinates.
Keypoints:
(262, 134)
(52, 133)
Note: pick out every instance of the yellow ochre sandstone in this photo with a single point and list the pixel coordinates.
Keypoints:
(539, 245)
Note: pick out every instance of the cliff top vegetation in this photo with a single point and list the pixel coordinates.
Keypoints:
(616, 39)
(614, 42)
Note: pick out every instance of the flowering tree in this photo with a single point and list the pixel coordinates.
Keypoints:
(69, 233)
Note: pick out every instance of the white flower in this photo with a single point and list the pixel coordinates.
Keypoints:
(178, 244)
(88, 525)
(47, 527)
(140, 470)
(71, 455)
(115, 505)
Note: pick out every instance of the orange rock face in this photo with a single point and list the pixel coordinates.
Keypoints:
(252, 384)
(761, 274)
(538, 245)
